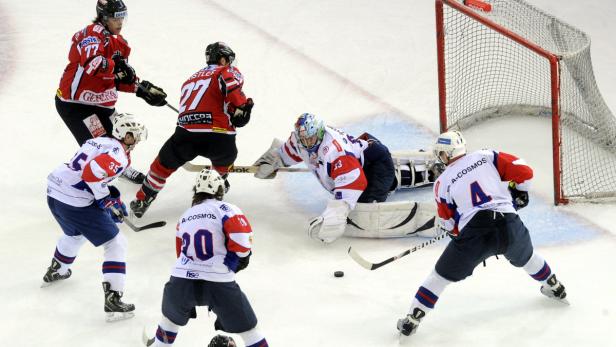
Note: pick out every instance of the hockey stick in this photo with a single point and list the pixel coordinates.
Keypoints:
(166, 103)
(144, 227)
(241, 169)
(373, 266)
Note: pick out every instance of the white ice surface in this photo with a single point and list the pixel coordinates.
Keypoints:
(362, 65)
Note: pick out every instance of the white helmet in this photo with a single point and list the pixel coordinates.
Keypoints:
(210, 182)
(449, 145)
(125, 123)
(309, 131)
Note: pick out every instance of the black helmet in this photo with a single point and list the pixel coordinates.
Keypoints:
(216, 50)
(106, 9)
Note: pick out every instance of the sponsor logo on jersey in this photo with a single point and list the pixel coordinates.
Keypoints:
(468, 169)
(195, 118)
(99, 98)
(88, 40)
(192, 274)
(224, 207)
(115, 150)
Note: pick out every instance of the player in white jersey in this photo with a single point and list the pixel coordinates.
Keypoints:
(88, 208)
(213, 243)
(477, 197)
(352, 169)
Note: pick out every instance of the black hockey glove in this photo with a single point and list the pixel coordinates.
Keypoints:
(520, 197)
(152, 94)
(241, 116)
(123, 72)
(236, 263)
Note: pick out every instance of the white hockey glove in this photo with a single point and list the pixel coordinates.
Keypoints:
(270, 161)
(330, 225)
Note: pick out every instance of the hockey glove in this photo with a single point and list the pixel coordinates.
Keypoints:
(269, 163)
(123, 72)
(152, 94)
(241, 115)
(520, 197)
(113, 205)
(236, 263)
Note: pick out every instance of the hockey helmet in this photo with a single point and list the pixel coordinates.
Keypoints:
(106, 9)
(210, 182)
(449, 145)
(125, 123)
(222, 341)
(215, 51)
(309, 131)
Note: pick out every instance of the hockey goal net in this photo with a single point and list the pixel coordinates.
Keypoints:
(507, 57)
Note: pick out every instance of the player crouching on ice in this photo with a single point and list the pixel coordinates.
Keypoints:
(87, 208)
(360, 173)
(477, 197)
(213, 243)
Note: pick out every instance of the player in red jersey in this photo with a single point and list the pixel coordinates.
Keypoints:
(98, 68)
(211, 107)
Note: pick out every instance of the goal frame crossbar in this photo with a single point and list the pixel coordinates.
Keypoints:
(553, 60)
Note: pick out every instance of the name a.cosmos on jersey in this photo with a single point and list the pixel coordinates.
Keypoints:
(468, 169)
(92, 143)
(199, 216)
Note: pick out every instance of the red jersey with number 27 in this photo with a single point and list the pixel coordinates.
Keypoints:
(209, 98)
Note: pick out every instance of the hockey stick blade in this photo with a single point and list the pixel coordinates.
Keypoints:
(144, 227)
(373, 266)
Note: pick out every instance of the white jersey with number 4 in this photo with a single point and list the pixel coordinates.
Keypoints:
(206, 233)
(478, 181)
(85, 177)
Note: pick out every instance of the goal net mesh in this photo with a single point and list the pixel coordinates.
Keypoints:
(488, 74)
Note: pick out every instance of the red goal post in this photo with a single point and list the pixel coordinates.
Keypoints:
(502, 57)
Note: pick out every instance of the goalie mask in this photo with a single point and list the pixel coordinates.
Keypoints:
(210, 182)
(309, 131)
(215, 51)
(449, 145)
(125, 123)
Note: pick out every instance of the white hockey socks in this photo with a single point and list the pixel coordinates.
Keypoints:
(428, 293)
(166, 333)
(538, 268)
(67, 249)
(253, 338)
(114, 264)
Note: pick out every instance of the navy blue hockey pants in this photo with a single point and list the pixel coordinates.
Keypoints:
(379, 170)
(226, 299)
(488, 233)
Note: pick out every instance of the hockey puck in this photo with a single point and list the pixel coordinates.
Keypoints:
(338, 274)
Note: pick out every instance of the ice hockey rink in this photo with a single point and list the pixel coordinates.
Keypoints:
(361, 65)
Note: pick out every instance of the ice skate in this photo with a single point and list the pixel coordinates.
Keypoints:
(133, 175)
(115, 309)
(52, 275)
(553, 289)
(148, 341)
(408, 325)
(139, 207)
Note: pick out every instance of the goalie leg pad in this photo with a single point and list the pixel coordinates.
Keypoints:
(391, 219)
(330, 225)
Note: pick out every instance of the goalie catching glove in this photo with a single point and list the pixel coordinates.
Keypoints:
(269, 163)
(152, 94)
(330, 225)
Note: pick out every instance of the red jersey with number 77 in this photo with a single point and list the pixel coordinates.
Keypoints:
(209, 99)
(88, 77)
(478, 181)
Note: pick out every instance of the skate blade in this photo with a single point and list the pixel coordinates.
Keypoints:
(46, 284)
(148, 341)
(111, 317)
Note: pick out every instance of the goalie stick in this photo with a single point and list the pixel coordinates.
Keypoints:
(373, 266)
(241, 169)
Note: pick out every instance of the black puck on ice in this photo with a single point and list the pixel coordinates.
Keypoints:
(338, 274)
